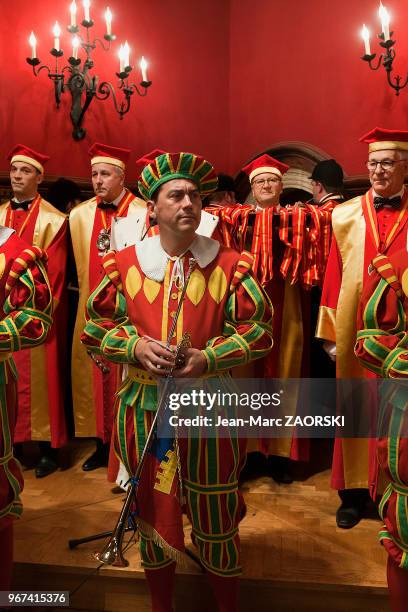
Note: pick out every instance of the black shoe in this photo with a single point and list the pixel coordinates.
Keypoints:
(46, 465)
(98, 459)
(348, 515)
(279, 469)
(254, 467)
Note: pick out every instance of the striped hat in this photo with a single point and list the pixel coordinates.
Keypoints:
(171, 166)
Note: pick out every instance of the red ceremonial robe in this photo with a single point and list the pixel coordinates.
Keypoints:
(359, 234)
(41, 371)
(93, 390)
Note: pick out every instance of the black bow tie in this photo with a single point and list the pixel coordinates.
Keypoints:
(24, 205)
(379, 202)
(107, 205)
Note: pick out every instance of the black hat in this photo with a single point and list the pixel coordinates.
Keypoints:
(225, 183)
(328, 172)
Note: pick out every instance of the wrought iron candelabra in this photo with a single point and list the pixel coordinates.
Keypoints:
(76, 75)
(385, 59)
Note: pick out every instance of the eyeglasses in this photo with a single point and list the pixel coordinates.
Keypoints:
(385, 164)
(262, 182)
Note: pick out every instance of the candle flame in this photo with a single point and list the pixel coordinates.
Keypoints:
(56, 30)
(384, 15)
(365, 33)
(73, 7)
(143, 63)
(87, 4)
(75, 42)
(108, 15)
(32, 40)
(121, 52)
(126, 48)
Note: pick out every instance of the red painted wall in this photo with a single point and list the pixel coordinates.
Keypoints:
(296, 75)
(230, 79)
(187, 46)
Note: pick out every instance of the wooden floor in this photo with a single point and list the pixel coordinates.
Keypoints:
(294, 557)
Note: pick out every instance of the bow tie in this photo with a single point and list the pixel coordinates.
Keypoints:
(107, 205)
(379, 202)
(16, 205)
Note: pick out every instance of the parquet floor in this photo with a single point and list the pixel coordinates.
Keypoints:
(289, 537)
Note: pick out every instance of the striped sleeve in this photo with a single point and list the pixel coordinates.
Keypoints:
(28, 304)
(108, 331)
(382, 342)
(247, 333)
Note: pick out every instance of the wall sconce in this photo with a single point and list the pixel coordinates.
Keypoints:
(387, 58)
(83, 86)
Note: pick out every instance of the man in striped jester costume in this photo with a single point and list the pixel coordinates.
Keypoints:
(382, 347)
(228, 316)
(25, 319)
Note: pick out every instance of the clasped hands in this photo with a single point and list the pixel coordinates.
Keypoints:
(158, 360)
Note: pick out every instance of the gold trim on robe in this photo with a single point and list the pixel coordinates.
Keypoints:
(349, 228)
(326, 324)
(40, 420)
(81, 222)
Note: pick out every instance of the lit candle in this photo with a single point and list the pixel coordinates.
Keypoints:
(126, 54)
(33, 44)
(108, 19)
(366, 37)
(73, 11)
(57, 34)
(143, 68)
(87, 4)
(121, 59)
(385, 21)
(75, 47)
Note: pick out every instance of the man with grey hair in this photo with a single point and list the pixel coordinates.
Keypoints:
(364, 227)
(94, 382)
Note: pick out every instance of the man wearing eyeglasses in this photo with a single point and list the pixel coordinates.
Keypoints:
(363, 228)
(265, 175)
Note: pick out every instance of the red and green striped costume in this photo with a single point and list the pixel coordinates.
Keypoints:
(382, 347)
(229, 318)
(25, 319)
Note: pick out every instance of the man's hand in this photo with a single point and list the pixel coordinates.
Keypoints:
(151, 354)
(195, 364)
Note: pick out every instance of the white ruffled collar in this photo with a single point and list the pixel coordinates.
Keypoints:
(153, 258)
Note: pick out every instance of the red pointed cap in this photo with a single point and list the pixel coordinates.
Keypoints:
(265, 163)
(104, 154)
(25, 154)
(381, 139)
(147, 159)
